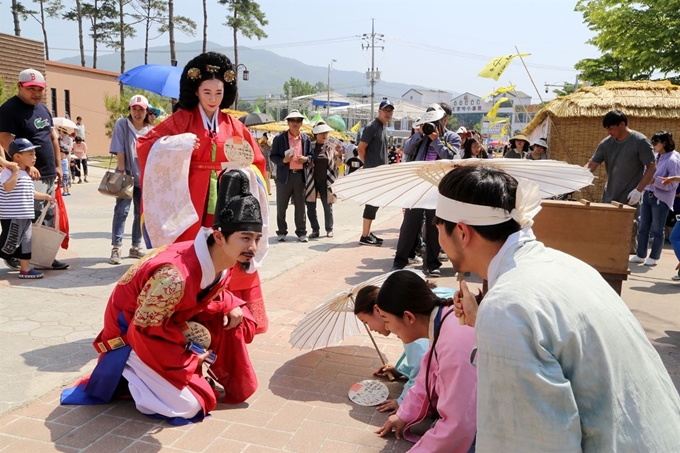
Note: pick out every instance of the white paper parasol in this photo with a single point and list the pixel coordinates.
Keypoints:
(64, 122)
(414, 184)
(334, 320)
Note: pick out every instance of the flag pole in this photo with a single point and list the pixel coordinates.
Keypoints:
(529, 74)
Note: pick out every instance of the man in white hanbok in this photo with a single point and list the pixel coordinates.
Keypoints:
(563, 365)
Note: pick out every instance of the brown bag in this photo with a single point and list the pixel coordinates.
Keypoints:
(118, 185)
(114, 184)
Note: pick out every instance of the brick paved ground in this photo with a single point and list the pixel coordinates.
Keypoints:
(301, 404)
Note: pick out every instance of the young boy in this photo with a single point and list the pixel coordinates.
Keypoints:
(354, 163)
(17, 195)
(65, 165)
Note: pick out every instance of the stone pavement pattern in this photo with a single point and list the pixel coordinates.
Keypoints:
(46, 330)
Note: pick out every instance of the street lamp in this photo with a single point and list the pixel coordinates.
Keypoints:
(246, 76)
(328, 101)
(246, 73)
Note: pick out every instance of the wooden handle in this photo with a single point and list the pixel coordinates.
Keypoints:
(584, 201)
(390, 376)
(461, 276)
(617, 204)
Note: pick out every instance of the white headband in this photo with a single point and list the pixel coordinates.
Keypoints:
(527, 205)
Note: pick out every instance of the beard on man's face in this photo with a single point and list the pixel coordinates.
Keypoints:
(245, 265)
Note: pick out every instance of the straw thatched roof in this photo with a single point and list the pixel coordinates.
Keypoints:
(644, 99)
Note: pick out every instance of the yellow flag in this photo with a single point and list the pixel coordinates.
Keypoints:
(355, 128)
(504, 131)
(494, 110)
(501, 90)
(499, 121)
(495, 68)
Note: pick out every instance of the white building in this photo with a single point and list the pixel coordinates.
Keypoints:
(423, 98)
(474, 108)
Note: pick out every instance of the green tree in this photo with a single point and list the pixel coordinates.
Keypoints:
(102, 15)
(608, 68)
(47, 8)
(154, 13)
(5, 94)
(300, 88)
(247, 18)
(637, 38)
(567, 89)
(18, 13)
(452, 125)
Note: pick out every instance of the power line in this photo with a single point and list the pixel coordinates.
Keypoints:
(468, 55)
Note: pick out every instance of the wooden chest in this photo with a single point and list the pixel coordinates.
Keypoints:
(596, 233)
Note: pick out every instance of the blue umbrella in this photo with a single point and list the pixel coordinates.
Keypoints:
(156, 78)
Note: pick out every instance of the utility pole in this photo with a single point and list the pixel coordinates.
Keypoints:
(328, 100)
(373, 75)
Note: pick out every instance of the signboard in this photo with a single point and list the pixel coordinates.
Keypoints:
(318, 103)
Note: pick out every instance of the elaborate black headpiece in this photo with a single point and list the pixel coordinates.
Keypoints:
(206, 66)
(237, 209)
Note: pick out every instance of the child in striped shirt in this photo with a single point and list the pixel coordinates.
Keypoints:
(17, 195)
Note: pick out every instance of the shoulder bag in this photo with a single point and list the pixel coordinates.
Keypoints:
(114, 184)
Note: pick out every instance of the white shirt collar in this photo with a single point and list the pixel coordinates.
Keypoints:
(433, 317)
(519, 237)
(210, 124)
(207, 268)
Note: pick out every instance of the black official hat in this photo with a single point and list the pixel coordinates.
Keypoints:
(236, 209)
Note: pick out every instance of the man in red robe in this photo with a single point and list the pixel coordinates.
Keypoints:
(144, 339)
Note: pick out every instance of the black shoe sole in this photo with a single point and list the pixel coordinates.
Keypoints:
(366, 243)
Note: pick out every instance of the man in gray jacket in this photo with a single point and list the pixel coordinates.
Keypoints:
(291, 153)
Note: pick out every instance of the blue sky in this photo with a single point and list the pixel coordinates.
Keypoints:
(440, 44)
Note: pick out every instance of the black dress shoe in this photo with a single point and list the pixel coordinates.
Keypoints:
(314, 235)
(58, 265)
(13, 263)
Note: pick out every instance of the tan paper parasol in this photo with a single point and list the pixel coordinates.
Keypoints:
(334, 320)
(414, 184)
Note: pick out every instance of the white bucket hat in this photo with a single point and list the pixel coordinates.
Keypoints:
(430, 116)
(320, 127)
(295, 114)
(539, 142)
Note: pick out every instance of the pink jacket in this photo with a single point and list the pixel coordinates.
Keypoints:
(453, 384)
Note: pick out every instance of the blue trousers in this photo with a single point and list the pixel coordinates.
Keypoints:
(120, 213)
(653, 213)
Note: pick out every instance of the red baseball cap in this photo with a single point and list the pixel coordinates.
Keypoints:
(31, 77)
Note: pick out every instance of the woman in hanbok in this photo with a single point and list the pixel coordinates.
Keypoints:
(207, 86)
(408, 365)
(446, 387)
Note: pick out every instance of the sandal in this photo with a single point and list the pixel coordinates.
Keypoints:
(31, 274)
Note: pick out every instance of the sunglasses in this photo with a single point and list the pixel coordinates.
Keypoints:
(294, 120)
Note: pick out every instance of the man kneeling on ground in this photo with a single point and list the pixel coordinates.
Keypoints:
(145, 347)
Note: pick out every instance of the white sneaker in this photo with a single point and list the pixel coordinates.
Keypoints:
(115, 256)
(136, 252)
(416, 260)
(650, 262)
(676, 277)
(636, 259)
